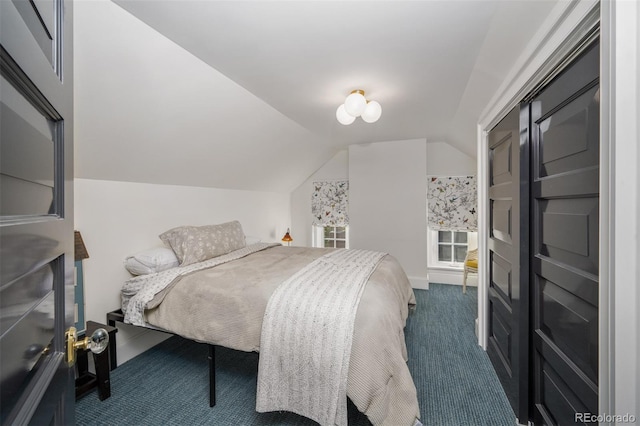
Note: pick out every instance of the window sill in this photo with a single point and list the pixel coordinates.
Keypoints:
(446, 268)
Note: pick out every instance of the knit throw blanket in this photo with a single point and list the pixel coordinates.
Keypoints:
(306, 337)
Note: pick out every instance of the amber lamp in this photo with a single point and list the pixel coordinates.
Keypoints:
(287, 238)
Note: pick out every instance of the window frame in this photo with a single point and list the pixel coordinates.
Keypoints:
(434, 243)
(319, 237)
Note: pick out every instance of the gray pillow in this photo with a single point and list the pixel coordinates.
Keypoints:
(193, 244)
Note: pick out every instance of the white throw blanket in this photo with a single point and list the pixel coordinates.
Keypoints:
(306, 337)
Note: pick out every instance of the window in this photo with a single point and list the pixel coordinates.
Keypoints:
(447, 249)
(452, 246)
(331, 236)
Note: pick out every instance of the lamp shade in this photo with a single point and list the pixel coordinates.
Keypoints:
(287, 237)
(79, 247)
(355, 103)
(372, 112)
(343, 117)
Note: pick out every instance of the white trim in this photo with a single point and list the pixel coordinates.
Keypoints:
(432, 250)
(446, 267)
(620, 27)
(317, 235)
(607, 213)
(483, 238)
(420, 283)
(451, 276)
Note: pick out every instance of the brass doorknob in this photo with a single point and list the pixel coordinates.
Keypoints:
(97, 343)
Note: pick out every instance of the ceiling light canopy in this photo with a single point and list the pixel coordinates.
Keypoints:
(356, 105)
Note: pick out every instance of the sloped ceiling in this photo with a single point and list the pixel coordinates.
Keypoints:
(243, 95)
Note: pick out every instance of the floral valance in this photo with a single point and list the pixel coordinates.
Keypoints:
(452, 203)
(329, 203)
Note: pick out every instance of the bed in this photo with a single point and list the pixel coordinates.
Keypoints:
(223, 300)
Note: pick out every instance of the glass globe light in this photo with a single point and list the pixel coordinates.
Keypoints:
(343, 117)
(355, 103)
(372, 112)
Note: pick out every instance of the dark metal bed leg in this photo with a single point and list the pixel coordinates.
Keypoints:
(212, 375)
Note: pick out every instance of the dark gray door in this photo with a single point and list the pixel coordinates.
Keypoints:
(507, 346)
(36, 211)
(564, 228)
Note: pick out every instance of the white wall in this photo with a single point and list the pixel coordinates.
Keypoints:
(445, 160)
(117, 219)
(442, 159)
(147, 110)
(387, 202)
(337, 168)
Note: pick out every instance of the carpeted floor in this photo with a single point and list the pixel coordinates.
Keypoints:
(168, 384)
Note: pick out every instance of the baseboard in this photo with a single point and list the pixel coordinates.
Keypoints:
(420, 283)
(450, 276)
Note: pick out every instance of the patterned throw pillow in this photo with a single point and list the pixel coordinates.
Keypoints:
(193, 244)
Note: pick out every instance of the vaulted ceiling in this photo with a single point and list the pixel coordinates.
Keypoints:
(242, 94)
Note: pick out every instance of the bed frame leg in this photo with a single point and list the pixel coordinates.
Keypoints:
(212, 375)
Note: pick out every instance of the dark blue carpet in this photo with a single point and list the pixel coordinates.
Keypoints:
(168, 384)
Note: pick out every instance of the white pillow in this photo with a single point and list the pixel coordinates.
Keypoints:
(151, 261)
(251, 239)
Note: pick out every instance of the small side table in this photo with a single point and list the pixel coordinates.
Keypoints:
(86, 381)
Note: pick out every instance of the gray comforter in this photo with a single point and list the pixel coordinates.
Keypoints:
(225, 305)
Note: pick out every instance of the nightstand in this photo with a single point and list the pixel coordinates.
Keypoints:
(86, 381)
(112, 318)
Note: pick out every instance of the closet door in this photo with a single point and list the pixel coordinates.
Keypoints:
(564, 230)
(508, 323)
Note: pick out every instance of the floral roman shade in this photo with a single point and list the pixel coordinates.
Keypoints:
(452, 203)
(329, 203)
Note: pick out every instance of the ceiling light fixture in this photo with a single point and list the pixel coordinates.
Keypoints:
(343, 116)
(372, 112)
(356, 105)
